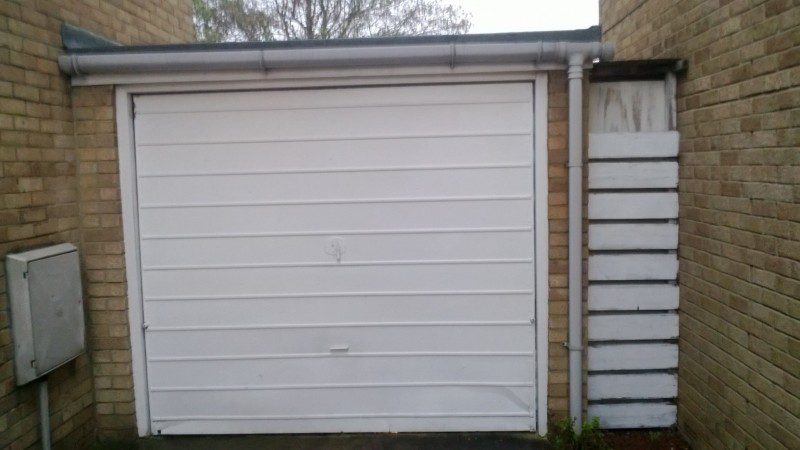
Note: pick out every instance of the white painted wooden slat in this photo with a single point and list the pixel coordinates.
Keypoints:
(631, 327)
(632, 297)
(339, 369)
(633, 205)
(632, 386)
(633, 356)
(633, 236)
(618, 106)
(633, 266)
(628, 175)
(634, 415)
(633, 145)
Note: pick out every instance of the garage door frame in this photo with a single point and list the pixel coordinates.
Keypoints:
(341, 78)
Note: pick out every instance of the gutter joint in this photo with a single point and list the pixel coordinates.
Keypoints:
(575, 69)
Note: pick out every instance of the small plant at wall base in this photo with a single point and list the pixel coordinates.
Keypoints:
(563, 436)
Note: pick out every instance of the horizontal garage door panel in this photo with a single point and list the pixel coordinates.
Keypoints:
(333, 401)
(380, 337)
(182, 191)
(332, 124)
(443, 153)
(337, 278)
(404, 246)
(401, 113)
(326, 368)
(338, 260)
(429, 215)
(347, 307)
(467, 422)
(168, 104)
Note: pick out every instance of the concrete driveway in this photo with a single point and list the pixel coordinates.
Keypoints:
(383, 441)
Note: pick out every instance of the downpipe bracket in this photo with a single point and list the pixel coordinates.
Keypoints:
(572, 348)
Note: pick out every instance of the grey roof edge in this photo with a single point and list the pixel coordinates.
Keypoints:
(83, 44)
(76, 39)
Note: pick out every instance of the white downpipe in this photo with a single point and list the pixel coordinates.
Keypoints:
(326, 57)
(575, 236)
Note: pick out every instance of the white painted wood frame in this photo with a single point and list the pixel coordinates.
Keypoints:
(633, 263)
(126, 150)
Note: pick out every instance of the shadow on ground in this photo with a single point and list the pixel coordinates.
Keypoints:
(384, 441)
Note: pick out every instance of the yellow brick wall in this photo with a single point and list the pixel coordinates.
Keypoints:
(557, 141)
(739, 118)
(101, 239)
(58, 184)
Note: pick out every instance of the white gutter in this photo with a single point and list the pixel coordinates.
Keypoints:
(132, 61)
(575, 237)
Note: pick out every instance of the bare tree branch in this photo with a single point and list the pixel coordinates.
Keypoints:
(260, 20)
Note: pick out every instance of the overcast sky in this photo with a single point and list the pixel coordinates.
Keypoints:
(497, 16)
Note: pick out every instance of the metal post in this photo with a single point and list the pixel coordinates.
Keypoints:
(44, 414)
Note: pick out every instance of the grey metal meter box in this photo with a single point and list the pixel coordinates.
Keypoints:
(46, 299)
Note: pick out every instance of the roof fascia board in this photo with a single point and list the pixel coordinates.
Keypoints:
(304, 78)
(448, 55)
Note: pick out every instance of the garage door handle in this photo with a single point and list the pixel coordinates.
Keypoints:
(339, 348)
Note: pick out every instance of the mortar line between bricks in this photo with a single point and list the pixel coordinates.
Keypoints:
(754, 370)
(766, 396)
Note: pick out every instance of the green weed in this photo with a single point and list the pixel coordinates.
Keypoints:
(563, 436)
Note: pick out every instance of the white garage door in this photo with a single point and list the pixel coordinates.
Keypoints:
(334, 260)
